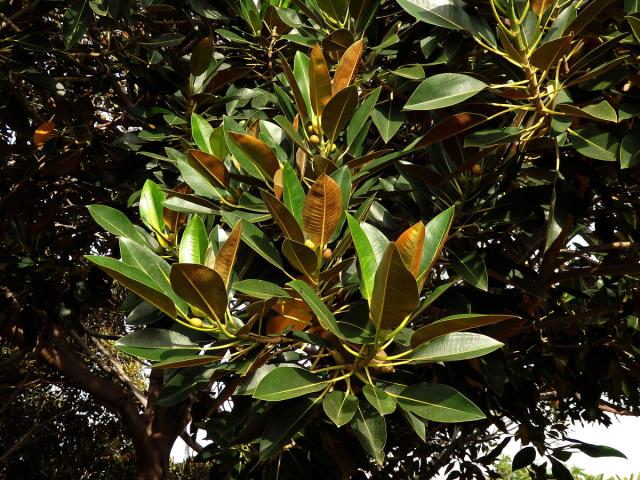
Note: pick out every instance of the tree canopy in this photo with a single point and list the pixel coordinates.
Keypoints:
(355, 237)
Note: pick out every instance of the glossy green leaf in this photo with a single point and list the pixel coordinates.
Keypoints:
(472, 269)
(444, 90)
(256, 240)
(602, 111)
(360, 116)
(137, 281)
(594, 143)
(371, 430)
(194, 242)
(287, 419)
(185, 360)
(388, 117)
(292, 192)
(283, 383)
(156, 344)
(436, 233)
(295, 89)
(301, 73)
(496, 136)
(201, 131)
(260, 289)
(340, 407)
(395, 293)
(76, 22)
(202, 287)
(439, 403)
(630, 149)
(453, 347)
(379, 399)
(454, 323)
(258, 152)
(325, 316)
(366, 257)
(114, 221)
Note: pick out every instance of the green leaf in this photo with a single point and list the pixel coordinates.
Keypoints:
(295, 89)
(366, 257)
(338, 111)
(436, 233)
(453, 347)
(151, 199)
(182, 384)
(301, 74)
(292, 192)
(114, 221)
(378, 241)
(156, 344)
(340, 407)
(381, 400)
(202, 287)
(287, 419)
(388, 118)
(359, 118)
(201, 56)
(444, 90)
(260, 289)
(256, 239)
(158, 269)
(325, 317)
(194, 242)
(201, 131)
(630, 149)
(594, 143)
(283, 383)
(449, 14)
(598, 451)
(137, 281)
(439, 403)
(454, 323)
(496, 136)
(472, 269)
(395, 293)
(186, 360)
(77, 20)
(602, 111)
(258, 152)
(371, 430)
(239, 154)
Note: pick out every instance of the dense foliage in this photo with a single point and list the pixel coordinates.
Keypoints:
(410, 223)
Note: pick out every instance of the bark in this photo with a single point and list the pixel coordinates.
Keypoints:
(153, 430)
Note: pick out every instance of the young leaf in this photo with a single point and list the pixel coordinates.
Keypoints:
(454, 323)
(202, 287)
(258, 152)
(283, 383)
(227, 255)
(283, 217)
(116, 222)
(347, 67)
(454, 346)
(136, 281)
(193, 244)
(439, 403)
(319, 81)
(381, 400)
(410, 245)
(395, 293)
(338, 111)
(340, 407)
(444, 90)
(322, 209)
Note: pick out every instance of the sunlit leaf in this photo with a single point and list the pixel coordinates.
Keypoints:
(226, 257)
(455, 323)
(202, 287)
(444, 90)
(322, 209)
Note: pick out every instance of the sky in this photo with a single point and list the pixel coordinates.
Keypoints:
(623, 434)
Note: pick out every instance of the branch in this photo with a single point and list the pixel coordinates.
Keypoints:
(597, 271)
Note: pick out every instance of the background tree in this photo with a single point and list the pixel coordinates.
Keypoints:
(519, 115)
